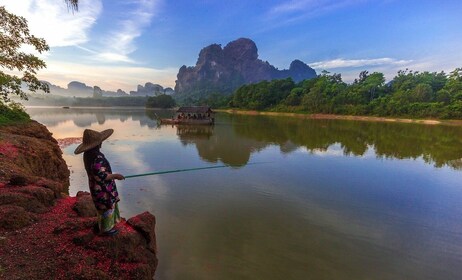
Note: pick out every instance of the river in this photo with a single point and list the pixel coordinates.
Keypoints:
(329, 199)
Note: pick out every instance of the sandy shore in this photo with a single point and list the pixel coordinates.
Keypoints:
(346, 117)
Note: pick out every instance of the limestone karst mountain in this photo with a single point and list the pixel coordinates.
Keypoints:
(222, 70)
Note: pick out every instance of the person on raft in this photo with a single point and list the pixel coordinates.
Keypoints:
(101, 180)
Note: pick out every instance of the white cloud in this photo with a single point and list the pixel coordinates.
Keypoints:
(349, 67)
(51, 19)
(60, 27)
(388, 66)
(120, 42)
(343, 63)
(108, 56)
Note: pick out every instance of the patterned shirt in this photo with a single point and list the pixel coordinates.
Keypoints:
(104, 192)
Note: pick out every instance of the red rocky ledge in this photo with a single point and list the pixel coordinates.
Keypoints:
(45, 234)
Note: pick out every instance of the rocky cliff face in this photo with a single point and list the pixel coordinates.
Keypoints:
(225, 69)
(45, 234)
(149, 89)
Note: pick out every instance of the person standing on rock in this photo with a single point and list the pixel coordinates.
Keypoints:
(101, 180)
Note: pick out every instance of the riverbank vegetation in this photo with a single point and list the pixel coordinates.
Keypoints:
(160, 101)
(410, 94)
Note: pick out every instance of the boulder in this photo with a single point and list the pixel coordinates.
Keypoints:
(14, 217)
(44, 195)
(84, 205)
(145, 223)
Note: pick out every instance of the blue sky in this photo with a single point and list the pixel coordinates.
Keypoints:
(122, 43)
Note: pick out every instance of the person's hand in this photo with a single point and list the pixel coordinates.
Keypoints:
(119, 176)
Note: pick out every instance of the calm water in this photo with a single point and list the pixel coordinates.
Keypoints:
(338, 200)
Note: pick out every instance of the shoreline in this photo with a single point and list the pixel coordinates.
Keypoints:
(343, 117)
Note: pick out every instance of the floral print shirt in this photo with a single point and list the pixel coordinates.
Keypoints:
(104, 192)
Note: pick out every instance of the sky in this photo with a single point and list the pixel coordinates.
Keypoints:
(122, 43)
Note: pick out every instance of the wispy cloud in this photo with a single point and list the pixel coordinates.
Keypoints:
(344, 63)
(296, 10)
(350, 68)
(51, 19)
(121, 42)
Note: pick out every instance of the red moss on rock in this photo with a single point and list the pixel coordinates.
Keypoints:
(8, 150)
(37, 154)
(14, 217)
(62, 245)
(64, 142)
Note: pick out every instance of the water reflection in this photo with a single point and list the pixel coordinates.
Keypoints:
(337, 201)
(235, 137)
(85, 117)
(189, 133)
(437, 145)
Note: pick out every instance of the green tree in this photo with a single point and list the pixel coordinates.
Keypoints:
(443, 96)
(322, 92)
(454, 84)
(422, 93)
(160, 101)
(14, 33)
(366, 88)
(314, 100)
(294, 98)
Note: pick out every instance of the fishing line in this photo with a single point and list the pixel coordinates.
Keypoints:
(186, 169)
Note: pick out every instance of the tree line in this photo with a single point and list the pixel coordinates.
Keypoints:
(409, 94)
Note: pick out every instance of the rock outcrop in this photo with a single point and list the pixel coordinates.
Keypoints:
(45, 234)
(149, 89)
(223, 70)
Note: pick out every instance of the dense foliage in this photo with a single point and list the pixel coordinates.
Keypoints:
(212, 96)
(13, 113)
(160, 101)
(14, 34)
(409, 94)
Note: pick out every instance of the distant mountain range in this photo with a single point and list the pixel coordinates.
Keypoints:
(222, 70)
(218, 70)
(79, 89)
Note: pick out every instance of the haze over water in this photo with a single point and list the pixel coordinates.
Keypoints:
(334, 199)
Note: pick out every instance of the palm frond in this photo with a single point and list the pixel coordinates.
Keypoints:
(72, 5)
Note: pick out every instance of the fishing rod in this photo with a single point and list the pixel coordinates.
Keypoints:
(184, 170)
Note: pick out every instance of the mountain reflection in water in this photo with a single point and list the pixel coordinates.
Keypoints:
(340, 199)
(435, 144)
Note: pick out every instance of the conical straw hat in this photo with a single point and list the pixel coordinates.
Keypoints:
(91, 139)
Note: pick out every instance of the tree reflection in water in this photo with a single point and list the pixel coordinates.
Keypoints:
(436, 144)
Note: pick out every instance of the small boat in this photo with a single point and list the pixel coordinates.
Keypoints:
(193, 115)
(66, 107)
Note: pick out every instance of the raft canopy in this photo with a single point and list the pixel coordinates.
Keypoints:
(195, 110)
